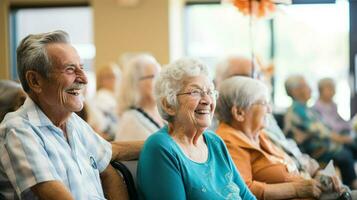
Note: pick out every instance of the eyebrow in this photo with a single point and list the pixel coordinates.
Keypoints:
(195, 86)
(73, 65)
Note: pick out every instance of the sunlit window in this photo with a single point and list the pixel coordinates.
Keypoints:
(309, 39)
(214, 31)
(312, 40)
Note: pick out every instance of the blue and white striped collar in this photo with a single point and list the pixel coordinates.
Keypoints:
(35, 115)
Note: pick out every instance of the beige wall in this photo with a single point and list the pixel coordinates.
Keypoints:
(4, 26)
(119, 29)
(4, 41)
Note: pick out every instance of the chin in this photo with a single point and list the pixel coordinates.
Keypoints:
(76, 108)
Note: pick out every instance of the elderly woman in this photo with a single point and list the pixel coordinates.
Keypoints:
(183, 160)
(266, 169)
(139, 115)
(327, 108)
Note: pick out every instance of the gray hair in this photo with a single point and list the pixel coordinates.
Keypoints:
(11, 97)
(133, 70)
(291, 83)
(325, 81)
(224, 67)
(241, 92)
(170, 81)
(32, 54)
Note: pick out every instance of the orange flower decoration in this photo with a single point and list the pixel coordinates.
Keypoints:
(257, 8)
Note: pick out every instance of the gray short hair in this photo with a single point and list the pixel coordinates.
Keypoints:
(32, 54)
(11, 97)
(241, 92)
(170, 81)
(325, 81)
(291, 83)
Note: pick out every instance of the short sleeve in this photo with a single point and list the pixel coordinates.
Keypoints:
(24, 159)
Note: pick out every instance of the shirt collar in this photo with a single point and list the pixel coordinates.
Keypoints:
(35, 115)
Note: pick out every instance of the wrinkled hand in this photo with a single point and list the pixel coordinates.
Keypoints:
(307, 188)
(337, 185)
(333, 183)
(313, 166)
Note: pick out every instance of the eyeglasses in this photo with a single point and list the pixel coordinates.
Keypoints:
(198, 93)
(147, 77)
(263, 103)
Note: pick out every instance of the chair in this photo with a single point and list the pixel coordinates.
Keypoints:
(128, 177)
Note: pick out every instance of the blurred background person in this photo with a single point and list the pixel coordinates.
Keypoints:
(327, 108)
(183, 160)
(312, 136)
(267, 170)
(11, 97)
(139, 117)
(106, 98)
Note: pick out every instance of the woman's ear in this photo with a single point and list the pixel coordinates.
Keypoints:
(237, 114)
(34, 81)
(169, 109)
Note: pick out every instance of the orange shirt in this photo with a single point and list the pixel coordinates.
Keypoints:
(257, 166)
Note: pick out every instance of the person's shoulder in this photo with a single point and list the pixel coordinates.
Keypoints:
(159, 140)
(213, 137)
(15, 120)
(158, 137)
(130, 114)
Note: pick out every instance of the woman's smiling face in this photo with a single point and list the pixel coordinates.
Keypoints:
(196, 102)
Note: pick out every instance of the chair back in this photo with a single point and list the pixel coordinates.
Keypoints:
(128, 177)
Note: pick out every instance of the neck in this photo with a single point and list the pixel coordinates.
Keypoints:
(325, 100)
(57, 117)
(247, 130)
(184, 135)
(301, 101)
(147, 104)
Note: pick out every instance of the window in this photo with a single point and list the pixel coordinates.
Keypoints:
(312, 40)
(214, 31)
(76, 21)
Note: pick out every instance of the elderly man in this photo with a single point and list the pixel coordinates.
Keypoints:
(312, 136)
(47, 151)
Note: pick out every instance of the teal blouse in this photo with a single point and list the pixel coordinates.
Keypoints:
(164, 171)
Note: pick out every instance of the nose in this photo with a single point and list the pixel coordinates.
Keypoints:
(269, 108)
(81, 76)
(206, 99)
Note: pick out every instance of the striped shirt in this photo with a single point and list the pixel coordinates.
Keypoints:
(34, 150)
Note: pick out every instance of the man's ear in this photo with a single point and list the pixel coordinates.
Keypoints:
(169, 109)
(237, 114)
(34, 80)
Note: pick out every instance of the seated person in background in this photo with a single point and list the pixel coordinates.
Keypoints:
(266, 169)
(183, 160)
(242, 66)
(327, 109)
(11, 97)
(312, 136)
(47, 151)
(139, 115)
(106, 99)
